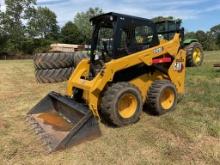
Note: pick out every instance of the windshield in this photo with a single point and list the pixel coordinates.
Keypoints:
(104, 44)
(105, 40)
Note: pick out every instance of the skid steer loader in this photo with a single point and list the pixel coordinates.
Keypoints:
(128, 67)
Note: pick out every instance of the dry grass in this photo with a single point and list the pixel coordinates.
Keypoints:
(189, 135)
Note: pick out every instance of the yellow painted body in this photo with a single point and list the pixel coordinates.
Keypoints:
(127, 105)
(93, 88)
(167, 99)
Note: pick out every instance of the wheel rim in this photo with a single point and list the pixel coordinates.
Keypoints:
(127, 105)
(167, 99)
(197, 56)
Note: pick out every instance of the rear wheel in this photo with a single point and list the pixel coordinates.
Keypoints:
(121, 104)
(162, 97)
(194, 54)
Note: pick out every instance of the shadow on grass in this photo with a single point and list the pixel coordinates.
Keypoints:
(148, 110)
(109, 124)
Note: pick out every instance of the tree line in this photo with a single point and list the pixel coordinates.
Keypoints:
(26, 28)
(210, 39)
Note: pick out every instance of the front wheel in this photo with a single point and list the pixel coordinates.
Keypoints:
(121, 104)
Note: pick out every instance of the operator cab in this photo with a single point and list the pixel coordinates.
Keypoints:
(117, 35)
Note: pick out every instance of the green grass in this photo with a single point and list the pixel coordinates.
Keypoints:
(189, 135)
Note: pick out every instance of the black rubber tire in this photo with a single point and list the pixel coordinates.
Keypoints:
(53, 60)
(53, 75)
(189, 54)
(109, 104)
(154, 94)
(79, 56)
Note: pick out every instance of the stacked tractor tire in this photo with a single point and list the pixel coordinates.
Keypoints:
(56, 67)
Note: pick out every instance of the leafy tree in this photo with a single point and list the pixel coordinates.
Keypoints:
(3, 37)
(218, 40)
(202, 37)
(190, 35)
(17, 11)
(216, 29)
(211, 42)
(43, 24)
(82, 22)
(70, 34)
(216, 33)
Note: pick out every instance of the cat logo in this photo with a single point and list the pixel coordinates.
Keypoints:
(158, 50)
(178, 66)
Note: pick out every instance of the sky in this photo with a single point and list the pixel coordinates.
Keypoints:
(196, 14)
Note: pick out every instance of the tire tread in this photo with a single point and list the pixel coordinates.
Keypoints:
(53, 75)
(53, 60)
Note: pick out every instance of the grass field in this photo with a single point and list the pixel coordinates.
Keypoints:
(189, 135)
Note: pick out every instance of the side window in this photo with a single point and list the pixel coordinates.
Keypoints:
(123, 39)
(172, 27)
(161, 27)
(121, 50)
(143, 35)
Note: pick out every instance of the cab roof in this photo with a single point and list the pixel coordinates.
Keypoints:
(118, 15)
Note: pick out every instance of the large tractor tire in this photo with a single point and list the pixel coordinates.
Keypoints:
(194, 54)
(79, 56)
(53, 75)
(121, 104)
(53, 60)
(162, 97)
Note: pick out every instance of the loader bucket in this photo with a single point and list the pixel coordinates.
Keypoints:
(62, 122)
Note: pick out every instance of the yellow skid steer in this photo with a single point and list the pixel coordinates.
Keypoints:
(129, 66)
